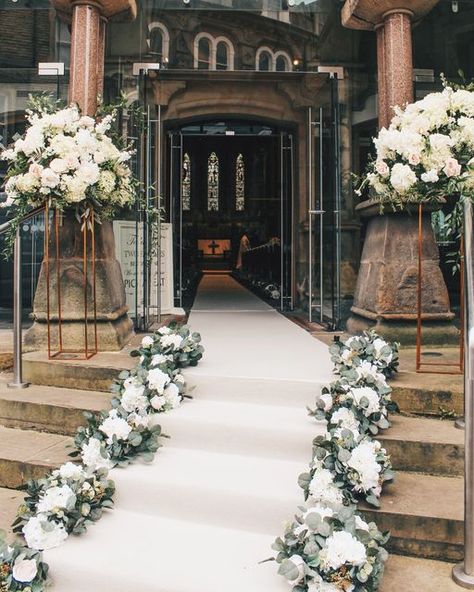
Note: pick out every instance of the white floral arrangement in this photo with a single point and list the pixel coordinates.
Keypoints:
(21, 568)
(75, 495)
(368, 347)
(427, 151)
(67, 160)
(68, 500)
(176, 341)
(359, 405)
(358, 465)
(328, 550)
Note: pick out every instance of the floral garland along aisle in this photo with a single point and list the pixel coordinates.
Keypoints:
(74, 496)
(329, 547)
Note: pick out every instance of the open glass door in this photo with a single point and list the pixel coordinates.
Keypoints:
(286, 222)
(142, 267)
(324, 197)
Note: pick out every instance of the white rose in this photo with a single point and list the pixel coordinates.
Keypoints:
(370, 395)
(86, 121)
(323, 490)
(89, 172)
(133, 398)
(299, 563)
(57, 498)
(49, 178)
(35, 169)
(345, 419)
(172, 395)
(24, 570)
(342, 548)
(363, 460)
(382, 168)
(158, 359)
(26, 183)
(41, 534)
(173, 340)
(452, 168)
(326, 398)
(158, 402)
(58, 165)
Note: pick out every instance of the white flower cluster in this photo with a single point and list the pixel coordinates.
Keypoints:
(327, 547)
(170, 345)
(428, 145)
(66, 159)
(74, 495)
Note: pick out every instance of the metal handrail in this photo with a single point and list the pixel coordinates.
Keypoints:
(17, 302)
(463, 573)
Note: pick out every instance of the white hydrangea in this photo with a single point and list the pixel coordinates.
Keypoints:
(40, 534)
(71, 471)
(133, 397)
(173, 339)
(372, 397)
(364, 461)
(91, 453)
(172, 395)
(147, 341)
(323, 490)
(158, 359)
(342, 548)
(164, 330)
(157, 380)
(57, 498)
(346, 420)
(402, 177)
(113, 425)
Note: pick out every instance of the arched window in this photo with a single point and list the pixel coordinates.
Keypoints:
(204, 54)
(186, 184)
(213, 53)
(264, 61)
(240, 183)
(282, 62)
(158, 42)
(213, 183)
(222, 56)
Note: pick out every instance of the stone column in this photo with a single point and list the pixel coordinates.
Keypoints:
(398, 58)
(115, 328)
(386, 291)
(384, 118)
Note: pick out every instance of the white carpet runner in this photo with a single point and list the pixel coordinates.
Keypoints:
(204, 514)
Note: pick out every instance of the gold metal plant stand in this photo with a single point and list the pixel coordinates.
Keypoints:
(451, 367)
(88, 243)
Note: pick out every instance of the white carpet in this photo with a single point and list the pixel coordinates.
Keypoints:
(204, 514)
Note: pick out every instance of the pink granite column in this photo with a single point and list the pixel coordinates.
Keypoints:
(398, 59)
(85, 43)
(384, 119)
(101, 57)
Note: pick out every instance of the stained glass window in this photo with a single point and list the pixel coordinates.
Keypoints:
(186, 183)
(240, 183)
(213, 183)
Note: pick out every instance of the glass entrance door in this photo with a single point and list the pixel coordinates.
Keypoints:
(324, 215)
(227, 179)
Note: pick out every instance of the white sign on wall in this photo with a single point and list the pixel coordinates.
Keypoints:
(125, 232)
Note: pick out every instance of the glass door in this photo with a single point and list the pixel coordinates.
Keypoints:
(324, 215)
(286, 223)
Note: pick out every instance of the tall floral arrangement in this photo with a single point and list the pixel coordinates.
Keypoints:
(67, 160)
(427, 152)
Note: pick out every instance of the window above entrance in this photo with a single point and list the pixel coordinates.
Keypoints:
(158, 42)
(213, 53)
(267, 60)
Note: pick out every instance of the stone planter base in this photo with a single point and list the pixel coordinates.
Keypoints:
(387, 285)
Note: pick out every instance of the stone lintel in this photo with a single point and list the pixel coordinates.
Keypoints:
(367, 14)
(125, 10)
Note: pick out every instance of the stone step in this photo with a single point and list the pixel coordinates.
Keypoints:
(49, 409)
(10, 500)
(428, 394)
(248, 493)
(95, 374)
(424, 514)
(28, 455)
(425, 445)
(269, 431)
(411, 574)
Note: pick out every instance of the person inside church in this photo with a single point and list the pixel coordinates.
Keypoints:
(243, 247)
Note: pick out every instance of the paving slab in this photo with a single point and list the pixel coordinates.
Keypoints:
(410, 574)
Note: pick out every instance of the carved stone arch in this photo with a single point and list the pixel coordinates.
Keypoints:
(158, 25)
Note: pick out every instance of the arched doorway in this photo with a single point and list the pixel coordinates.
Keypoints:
(231, 178)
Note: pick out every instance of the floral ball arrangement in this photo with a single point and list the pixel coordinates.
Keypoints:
(329, 547)
(427, 151)
(76, 494)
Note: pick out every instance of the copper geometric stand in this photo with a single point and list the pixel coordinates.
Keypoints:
(457, 367)
(87, 231)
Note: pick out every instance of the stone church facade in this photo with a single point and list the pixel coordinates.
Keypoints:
(283, 96)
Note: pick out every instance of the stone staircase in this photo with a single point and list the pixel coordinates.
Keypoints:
(422, 509)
